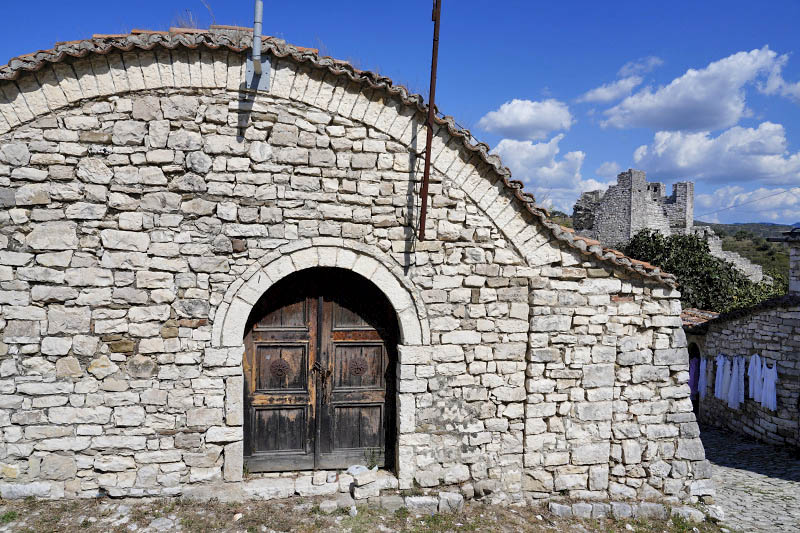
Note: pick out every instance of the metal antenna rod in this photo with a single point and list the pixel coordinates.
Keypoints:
(435, 16)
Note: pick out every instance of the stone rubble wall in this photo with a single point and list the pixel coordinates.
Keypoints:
(751, 270)
(608, 406)
(771, 333)
(141, 220)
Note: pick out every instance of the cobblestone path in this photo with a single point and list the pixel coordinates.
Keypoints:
(758, 485)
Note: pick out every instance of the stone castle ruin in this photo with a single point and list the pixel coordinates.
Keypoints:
(615, 216)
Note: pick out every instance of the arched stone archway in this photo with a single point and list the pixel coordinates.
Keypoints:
(320, 374)
(232, 315)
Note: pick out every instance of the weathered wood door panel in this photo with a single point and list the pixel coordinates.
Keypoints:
(319, 375)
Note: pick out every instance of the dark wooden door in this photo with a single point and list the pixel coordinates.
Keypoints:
(319, 375)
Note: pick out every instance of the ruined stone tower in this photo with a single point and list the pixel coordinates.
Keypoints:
(631, 205)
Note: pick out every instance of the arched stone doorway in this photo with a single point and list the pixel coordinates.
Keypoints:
(319, 374)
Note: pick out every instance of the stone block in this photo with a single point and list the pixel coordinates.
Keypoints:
(113, 463)
(364, 477)
(690, 514)
(671, 356)
(422, 504)
(650, 511)
(232, 469)
(128, 132)
(599, 375)
(370, 490)
(102, 367)
(621, 510)
(68, 367)
(58, 467)
(203, 417)
(582, 510)
(53, 236)
(392, 502)
(450, 502)
(691, 449)
(560, 510)
(125, 240)
(14, 491)
(222, 434)
(32, 195)
(588, 454)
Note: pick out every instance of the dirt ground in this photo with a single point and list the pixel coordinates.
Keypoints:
(299, 515)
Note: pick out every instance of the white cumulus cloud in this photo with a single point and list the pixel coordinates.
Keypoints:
(527, 120)
(611, 91)
(640, 66)
(555, 181)
(775, 83)
(707, 99)
(734, 204)
(608, 169)
(736, 155)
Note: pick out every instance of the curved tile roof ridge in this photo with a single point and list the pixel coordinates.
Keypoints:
(239, 39)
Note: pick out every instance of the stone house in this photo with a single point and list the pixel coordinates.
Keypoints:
(772, 330)
(197, 281)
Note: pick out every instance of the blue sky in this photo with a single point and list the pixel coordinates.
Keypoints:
(568, 93)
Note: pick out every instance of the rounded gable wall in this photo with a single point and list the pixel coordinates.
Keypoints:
(144, 216)
(146, 204)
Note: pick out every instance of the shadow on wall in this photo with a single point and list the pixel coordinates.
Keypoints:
(411, 203)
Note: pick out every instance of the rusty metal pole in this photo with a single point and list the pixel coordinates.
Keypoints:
(435, 16)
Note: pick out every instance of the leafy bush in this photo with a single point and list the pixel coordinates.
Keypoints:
(706, 282)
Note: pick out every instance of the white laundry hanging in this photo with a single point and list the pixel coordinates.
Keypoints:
(719, 378)
(727, 368)
(768, 392)
(736, 385)
(755, 380)
(702, 380)
(741, 384)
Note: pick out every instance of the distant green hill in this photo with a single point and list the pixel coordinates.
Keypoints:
(750, 240)
(560, 217)
(761, 229)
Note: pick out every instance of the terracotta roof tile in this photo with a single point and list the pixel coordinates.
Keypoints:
(240, 41)
(692, 317)
(787, 300)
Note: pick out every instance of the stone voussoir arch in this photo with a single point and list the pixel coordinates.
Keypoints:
(38, 84)
(298, 77)
(232, 314)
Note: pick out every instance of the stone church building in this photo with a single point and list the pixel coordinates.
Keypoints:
(201, 286)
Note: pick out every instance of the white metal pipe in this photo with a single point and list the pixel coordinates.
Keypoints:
(256, 55)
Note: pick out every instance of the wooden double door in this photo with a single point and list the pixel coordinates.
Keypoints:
(319, 370)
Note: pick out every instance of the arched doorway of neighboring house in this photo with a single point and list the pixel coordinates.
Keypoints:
(694, 376)
(319, 371)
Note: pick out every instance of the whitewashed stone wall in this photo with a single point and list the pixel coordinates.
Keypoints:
(144, 207)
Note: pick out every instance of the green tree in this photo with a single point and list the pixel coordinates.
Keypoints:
(706, 282)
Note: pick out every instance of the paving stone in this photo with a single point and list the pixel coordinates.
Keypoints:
(757, 485)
